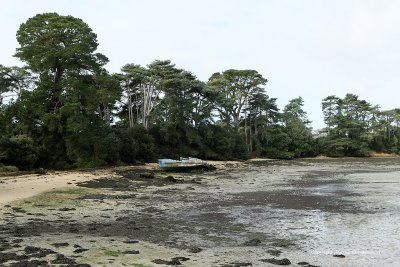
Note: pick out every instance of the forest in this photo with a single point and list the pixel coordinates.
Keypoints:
(62, 109)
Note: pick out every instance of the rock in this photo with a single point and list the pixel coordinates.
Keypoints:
(160, 261)
(195, 250)
(339, 256)
(66, 209)
(37, 252)
(277, 262)
(58, 245)
(196, 181)
(173, 261)
(73, 230)
(30, 249)
(210, 167)
(94, 228)
(149, 175)
(306, 264)
(252, 242)
(40, 171)
(130, 241)
(80, 250)
(61, 259)
(237, 264)
(11, 256)
(18, 210)
(274, 252)
(180, 259)
(32, 263)
(131, 252)
(171, 179)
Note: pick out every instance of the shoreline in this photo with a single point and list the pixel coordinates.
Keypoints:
(19, 186)
(130, 216)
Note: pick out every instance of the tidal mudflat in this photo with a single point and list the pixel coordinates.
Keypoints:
(316, 212)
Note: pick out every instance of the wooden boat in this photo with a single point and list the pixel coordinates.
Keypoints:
(183, 164)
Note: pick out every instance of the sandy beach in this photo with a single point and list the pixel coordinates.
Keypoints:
(19, 187)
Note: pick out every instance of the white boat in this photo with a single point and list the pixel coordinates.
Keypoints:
(182, 164)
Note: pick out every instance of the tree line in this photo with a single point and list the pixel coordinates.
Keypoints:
(63, 109)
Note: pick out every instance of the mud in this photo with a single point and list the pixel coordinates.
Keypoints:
(307, 212)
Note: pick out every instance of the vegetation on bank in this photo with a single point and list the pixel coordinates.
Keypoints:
(62, 109)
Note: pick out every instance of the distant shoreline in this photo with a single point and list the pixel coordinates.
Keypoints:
(21, 185)
(154, 166)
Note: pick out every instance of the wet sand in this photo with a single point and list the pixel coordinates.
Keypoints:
(343, 212)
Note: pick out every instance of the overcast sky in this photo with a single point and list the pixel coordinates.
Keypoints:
(308, 48)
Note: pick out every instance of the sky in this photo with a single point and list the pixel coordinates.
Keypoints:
(307, 48)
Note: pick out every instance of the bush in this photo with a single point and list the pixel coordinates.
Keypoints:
(19, 151)
(4, 168)
(224, 143)
(137, 145)
(345, 147)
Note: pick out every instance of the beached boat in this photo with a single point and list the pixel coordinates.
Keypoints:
(182, 164)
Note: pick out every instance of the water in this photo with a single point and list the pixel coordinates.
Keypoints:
(326, 208)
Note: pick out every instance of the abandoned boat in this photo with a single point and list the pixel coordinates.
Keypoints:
(182, 164)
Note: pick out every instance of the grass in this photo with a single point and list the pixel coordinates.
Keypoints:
(284, 243)
(112, 253)
(57, 198)
(139, 265)
(72, 191)
(215, 238)
(257, 235)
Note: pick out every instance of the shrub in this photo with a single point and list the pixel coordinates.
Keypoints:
(20, 151)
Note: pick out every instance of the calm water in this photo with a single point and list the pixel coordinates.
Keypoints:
(349, 208)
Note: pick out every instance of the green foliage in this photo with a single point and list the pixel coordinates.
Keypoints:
(50, 42)
(70, 109)
(224, 143)
(13, 80)
(234, 88)
(275, 143)
(4, 168)
(19, 151)
(297, 128)
(136, 144)
(64, 110)
(112, 253)
(342, 147)
(350, 125)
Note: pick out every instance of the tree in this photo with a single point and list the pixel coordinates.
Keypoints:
(133, 81)
(263, 113)
(297, 127)
(74, 95)
(143, 88)
(331, 109)
(234, 89)
(385, 131)
(350, 122)
(55, 44)
(13, 80)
